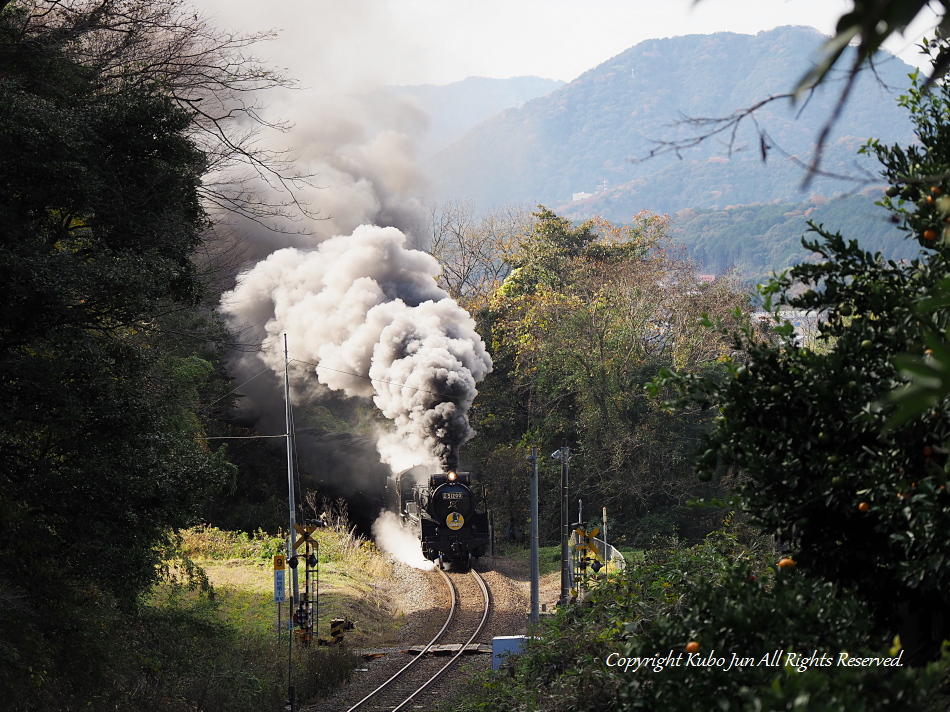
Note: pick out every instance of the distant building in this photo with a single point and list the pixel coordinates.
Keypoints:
(582, 196)
(805, 323)
(705, 278)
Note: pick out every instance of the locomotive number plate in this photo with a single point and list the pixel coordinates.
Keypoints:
(454, 521)
(451, 495)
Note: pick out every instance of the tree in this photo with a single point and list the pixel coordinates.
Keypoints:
(859, 497)
(207, 73)
(102, 213)
(475, 250)
(588, 315)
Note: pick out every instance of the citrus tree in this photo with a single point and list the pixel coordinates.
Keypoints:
(859, 497)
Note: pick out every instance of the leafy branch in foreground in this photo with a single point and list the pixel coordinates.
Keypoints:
(871, 24)
(858, 496)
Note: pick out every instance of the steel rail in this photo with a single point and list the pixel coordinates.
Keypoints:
(487, 609)
(453, 609)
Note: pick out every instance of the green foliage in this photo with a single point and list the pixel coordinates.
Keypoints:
(99, 434)
(858, 496)
(726, 595)
(176, 654)
(754, 614)
(591, 313)
(338, 544)
(757, 240)
(207, 542)
(107, 359)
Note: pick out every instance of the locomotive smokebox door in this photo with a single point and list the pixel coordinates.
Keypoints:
(449, 499)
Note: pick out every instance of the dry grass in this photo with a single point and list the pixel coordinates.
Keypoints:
(245, 588)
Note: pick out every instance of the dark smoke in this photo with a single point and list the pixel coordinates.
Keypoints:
(367, 313)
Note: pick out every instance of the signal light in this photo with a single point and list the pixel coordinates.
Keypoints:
(596, 566)
(452, 476)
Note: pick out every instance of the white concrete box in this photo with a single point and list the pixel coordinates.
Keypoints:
(504, 647)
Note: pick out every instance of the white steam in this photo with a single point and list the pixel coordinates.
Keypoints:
(393, 539)
(367, 315)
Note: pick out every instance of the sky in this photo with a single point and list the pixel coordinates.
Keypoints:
(357, 45)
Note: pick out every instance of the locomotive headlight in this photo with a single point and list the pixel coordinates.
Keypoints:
(452, 476)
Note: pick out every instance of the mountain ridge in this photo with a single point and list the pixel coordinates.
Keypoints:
(581, 136)
(454, 108)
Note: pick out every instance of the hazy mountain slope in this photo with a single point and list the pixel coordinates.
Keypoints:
(585, 133)
(455, 108)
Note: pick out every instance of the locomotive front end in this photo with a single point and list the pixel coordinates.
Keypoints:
(453, 530)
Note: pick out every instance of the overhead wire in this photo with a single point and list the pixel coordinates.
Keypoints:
(292, 434)
(266, 368)
(241, 437)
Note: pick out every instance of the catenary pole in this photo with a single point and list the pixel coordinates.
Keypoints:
(291, 690)
(563, 454)
(535, 569)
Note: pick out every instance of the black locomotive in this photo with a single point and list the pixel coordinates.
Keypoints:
(442, 511)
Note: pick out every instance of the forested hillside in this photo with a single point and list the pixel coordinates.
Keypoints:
(578, 318)
(827, 587)
(757, 240)
(582, 137)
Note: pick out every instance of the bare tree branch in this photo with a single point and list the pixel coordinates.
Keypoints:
(208, 72)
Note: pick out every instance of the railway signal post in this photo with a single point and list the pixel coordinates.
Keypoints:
(586, 552)
(309, 606)
(280, 586)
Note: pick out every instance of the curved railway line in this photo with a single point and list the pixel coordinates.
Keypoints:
(465, 621)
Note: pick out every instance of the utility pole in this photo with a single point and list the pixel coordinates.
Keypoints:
(564, 455)
(535, 570)
(290, 469)
(291, 688)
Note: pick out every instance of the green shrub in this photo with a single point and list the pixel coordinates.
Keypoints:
(729, 597)
(754, 616)
(212, 543)
(337, 544)
(176, 654)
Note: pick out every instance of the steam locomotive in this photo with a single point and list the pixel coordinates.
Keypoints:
(442, 511)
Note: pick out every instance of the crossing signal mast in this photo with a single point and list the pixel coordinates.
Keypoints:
(308, 607)
(586, 553)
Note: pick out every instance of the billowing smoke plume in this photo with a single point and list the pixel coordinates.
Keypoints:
(366, 314)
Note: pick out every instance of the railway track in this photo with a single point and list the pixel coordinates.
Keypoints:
(468, 613)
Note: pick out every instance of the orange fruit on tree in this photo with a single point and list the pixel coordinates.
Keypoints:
(786, 563)
(930, 234)
(692, 647)
(864, 507)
